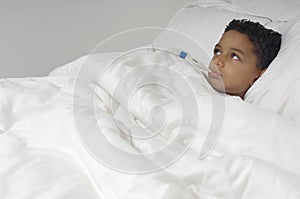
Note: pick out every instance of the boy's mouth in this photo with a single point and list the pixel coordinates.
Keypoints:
(215, 74)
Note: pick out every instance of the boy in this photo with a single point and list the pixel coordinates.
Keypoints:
(242, 55)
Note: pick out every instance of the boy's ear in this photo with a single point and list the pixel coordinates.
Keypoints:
(259, 75)
(262, 72)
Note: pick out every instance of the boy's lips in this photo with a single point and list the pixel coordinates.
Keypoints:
(215, 74)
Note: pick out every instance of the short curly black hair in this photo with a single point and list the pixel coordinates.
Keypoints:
(266, 42)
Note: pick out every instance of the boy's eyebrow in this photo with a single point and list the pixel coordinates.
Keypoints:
(218, 45)
(234, 49)
(238, 50)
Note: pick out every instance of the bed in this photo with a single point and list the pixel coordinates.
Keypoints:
(145, 124)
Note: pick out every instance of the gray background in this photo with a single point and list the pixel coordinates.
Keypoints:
(37, 36)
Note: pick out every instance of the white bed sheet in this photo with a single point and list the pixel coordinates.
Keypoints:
(257, 155)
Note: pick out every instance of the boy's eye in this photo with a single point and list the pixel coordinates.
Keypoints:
(217, 52)
(235, 56)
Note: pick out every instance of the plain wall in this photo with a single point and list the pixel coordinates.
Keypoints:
(37, 36)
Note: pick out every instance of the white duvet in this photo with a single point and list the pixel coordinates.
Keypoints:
(140, 127)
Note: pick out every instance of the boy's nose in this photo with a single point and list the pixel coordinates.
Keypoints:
(219, 62)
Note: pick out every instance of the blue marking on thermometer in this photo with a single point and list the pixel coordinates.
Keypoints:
(193, 62)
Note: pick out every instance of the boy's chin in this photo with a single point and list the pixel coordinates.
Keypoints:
(217, 84)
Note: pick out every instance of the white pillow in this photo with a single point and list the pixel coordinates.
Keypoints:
(197, 29)
(274, 9)
(278, 88)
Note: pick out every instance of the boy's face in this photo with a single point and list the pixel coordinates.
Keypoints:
(233, 65)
